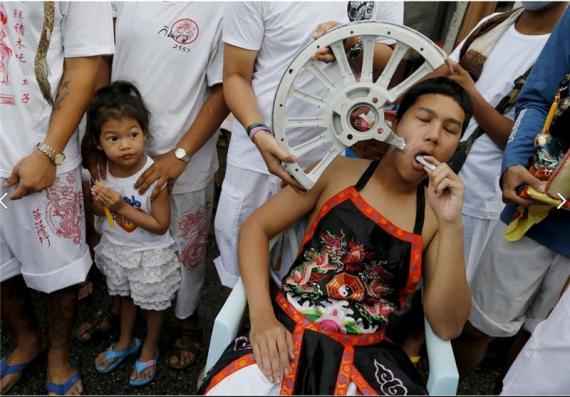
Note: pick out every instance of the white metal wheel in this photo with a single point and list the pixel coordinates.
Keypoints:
(326, 126)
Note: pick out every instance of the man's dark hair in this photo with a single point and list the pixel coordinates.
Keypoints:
(441, 86)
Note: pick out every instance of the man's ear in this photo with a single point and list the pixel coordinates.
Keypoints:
(395, 124)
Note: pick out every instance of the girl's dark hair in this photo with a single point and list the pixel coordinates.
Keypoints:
(441, 86)
(118, 99)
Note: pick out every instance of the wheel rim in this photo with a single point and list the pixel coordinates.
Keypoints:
(327, 128)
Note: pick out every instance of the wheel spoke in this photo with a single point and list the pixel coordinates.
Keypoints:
(305, 96)
(342, 62)
(305, 147)
(388, 72)
(316, 172)
(305, 122)
(420, 73)
(368, 44)
(318, 73)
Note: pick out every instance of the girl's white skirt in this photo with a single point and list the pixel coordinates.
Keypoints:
(150, 277)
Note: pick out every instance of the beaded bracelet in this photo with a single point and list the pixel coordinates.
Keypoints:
(254, 128)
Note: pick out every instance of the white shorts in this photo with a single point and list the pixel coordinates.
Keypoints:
(542, 367)
(476, 234)
(243, 191)
(515, 283)
(190, 219)
(42, 236)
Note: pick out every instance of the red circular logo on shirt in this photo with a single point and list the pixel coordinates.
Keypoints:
(184, 31)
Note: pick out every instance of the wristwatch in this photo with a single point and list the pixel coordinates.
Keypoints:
(55, 157)
(181, 154)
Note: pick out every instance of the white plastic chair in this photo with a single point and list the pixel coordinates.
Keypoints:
(443, 376)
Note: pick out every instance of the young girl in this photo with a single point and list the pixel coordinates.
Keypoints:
(136, 252)
(371, 239)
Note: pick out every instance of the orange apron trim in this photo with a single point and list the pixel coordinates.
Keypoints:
(343, 378)
(234, 366)
(288, 382)
(361, 383)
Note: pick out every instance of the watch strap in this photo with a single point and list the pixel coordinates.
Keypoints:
(48, 151)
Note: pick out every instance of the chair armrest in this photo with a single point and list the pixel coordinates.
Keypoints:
(443, 376)
(226, 324)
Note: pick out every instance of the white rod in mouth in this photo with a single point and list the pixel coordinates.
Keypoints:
(424, 162)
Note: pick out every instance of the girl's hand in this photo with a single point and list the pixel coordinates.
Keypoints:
(461, 77)
(445, 192)
(272, 347)
(106, 197)
(166, 169)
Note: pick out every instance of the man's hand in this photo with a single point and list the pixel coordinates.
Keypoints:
(33, 173)
(166, 169)
(516, 177)
(272, 346)
(324, 54)
(106, 197)
(445, 193)
(273, 154)
(461, 77)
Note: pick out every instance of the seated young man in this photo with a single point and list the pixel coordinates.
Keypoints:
(371, 238)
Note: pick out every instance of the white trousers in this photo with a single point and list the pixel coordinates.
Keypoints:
(543, 365)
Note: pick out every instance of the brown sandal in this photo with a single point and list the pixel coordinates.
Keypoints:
(185, 340)
(94, 326)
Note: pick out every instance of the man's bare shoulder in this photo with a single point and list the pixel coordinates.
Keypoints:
(343, 172)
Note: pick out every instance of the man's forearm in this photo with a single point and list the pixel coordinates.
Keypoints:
(449, 280)
(496, 126)
(73, 95)
(241, 100)
(210, 116)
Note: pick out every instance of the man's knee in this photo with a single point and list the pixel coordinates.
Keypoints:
(471, 333)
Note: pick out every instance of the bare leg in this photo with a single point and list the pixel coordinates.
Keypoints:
(154, 320)
(470, 349)
(18, 314)
(61, 307)
(127, 336)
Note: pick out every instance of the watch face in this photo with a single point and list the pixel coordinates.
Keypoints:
(181, 154)
(59, 159)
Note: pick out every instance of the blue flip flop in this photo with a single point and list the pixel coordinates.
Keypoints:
(7, 369)
(117, 356)
(61, 388)
(140, 366)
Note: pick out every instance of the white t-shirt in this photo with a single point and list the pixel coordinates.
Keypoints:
(172, 52)
(80, 29)
(125, 233)
(278, 31)
(511, 57)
